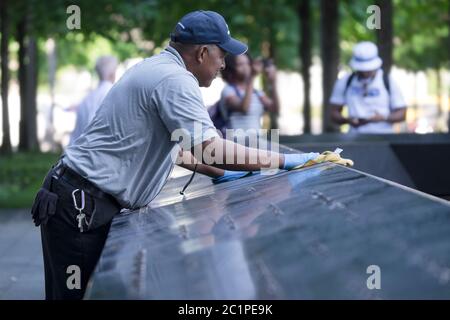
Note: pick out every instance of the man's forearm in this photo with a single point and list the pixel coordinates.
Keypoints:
(339, 119)
(210, 171)
(336, 115)
(397, 116)
(225, 154)
(188, 161)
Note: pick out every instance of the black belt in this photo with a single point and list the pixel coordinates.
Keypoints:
(75, 179)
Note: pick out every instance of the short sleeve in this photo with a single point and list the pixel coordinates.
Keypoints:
(260, 93)
(228, 91)
(180, 106)
(395, 95)
(338, 94)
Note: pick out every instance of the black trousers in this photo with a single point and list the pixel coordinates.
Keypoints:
(70, 255)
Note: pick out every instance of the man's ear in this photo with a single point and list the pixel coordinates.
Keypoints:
(201, 53)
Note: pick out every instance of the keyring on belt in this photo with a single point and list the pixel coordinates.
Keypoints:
(80, 216)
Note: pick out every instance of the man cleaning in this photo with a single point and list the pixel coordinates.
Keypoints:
(126, 153)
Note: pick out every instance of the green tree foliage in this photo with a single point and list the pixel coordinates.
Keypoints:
(270, 27)
(421, 34)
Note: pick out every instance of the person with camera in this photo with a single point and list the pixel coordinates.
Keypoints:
(245, 104)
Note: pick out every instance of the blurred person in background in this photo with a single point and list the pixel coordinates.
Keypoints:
(373, 98)
(243, 103)
(105, 67)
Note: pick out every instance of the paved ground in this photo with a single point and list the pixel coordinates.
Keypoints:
(21, 265)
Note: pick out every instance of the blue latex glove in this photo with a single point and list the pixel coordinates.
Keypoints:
(291, 160)
(230, 176)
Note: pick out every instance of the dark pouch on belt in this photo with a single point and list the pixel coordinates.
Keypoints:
(103, 212)
(44, 206)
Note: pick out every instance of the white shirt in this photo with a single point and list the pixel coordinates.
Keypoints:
(252, 118)
(377, 100)
(87, 108)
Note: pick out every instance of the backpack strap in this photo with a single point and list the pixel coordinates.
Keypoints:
(258, 94)
(349, 81)
(387, 85)
(222, 109)
(236, 90)
(385, 82)
(239, 95)
(225, 113)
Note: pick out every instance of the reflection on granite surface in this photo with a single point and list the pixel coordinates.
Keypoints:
(304, 234)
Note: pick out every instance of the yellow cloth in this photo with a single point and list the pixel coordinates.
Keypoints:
(327, 156)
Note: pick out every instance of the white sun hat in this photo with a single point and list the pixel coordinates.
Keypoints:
(365, 57)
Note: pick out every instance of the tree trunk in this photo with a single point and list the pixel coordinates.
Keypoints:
(385, 34)
(6, 140)
(31, 75)
(329, 46)
(439, 94)
(272, 54)
(21, 79)
(52, 62)
(448, 52)
(27, 86)
(304, 16)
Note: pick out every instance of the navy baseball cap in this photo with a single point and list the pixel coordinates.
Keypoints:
(206, 27)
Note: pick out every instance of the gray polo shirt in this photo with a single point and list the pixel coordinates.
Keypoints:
(126, 149)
